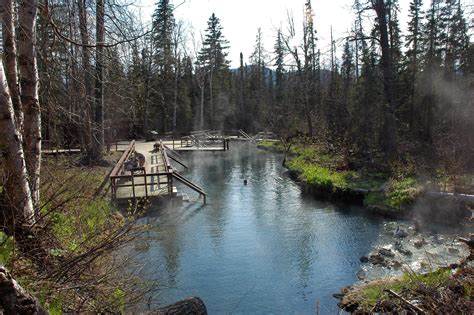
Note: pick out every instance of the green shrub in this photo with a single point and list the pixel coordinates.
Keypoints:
(403, 192)
(374, 292)
(319, 175)
(6, 249)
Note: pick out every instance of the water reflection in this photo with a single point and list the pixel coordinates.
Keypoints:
(261, 247)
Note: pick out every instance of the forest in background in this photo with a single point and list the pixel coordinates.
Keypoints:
(84, 73)
(390, 93)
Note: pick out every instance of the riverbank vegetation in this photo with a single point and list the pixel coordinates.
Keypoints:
(327, 171)
(443, 290)
(385, 110)
(75, 267)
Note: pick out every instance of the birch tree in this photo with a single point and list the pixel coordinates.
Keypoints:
(22, 146)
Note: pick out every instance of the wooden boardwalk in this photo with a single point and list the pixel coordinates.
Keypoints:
(154, 179)
(193, 144)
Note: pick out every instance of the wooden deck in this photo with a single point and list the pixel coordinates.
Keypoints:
(155, 179)
(193, 144)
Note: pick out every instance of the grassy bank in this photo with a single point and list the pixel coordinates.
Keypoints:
(439, 291)
(333, 173)
(79, 231)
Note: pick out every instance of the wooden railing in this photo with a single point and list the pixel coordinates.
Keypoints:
(191, 141)
(190, 184)
(246, 135)
(118, 174)
(119, 168)
(175, 156)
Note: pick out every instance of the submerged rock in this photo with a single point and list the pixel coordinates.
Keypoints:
(405, 252)
(364, 259)
(453, 250)
(399, 247)
(361, 274)
(386, 252)
(420, 243)
(396, 264)
(400, 233)
(377, 260)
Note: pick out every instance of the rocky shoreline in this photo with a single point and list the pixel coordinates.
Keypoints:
(449, 287)
(385, 269)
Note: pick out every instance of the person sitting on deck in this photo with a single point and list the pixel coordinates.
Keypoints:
(137, 161)
(131, 164)
(140, 159)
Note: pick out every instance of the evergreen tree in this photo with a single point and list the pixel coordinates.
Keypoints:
(347, 76)
(457, 40)
(279, 52)
(163, 25)
(413, 54)
(213, 59)
(394, 33)
(258, 93)
(434, 50)
(368, 95)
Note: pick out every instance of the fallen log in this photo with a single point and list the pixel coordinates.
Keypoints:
(406, 302)
(192, 305)
(14, 299)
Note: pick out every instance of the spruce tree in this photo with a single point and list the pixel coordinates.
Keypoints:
(258, 92)
(413, 54)
(163, 25)
(279, 60)
(213, 58)
(347, 76)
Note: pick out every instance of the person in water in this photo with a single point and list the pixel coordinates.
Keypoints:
(245, 182)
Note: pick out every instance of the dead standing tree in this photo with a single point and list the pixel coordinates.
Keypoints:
(389, 132)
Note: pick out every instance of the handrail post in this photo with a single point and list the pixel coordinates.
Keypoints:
(170, 184)
(133, 187)
(146, 184)
(112, 183)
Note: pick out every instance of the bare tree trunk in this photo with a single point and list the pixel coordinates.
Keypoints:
(11, 66)
(29, 95)
(175, 96)
(17, 192)
(389, 134)
(201, 109)
(99, 84)
(147, 71)
(211, 96)
(86, 64)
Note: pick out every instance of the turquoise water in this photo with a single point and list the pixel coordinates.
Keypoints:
(264, 247)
